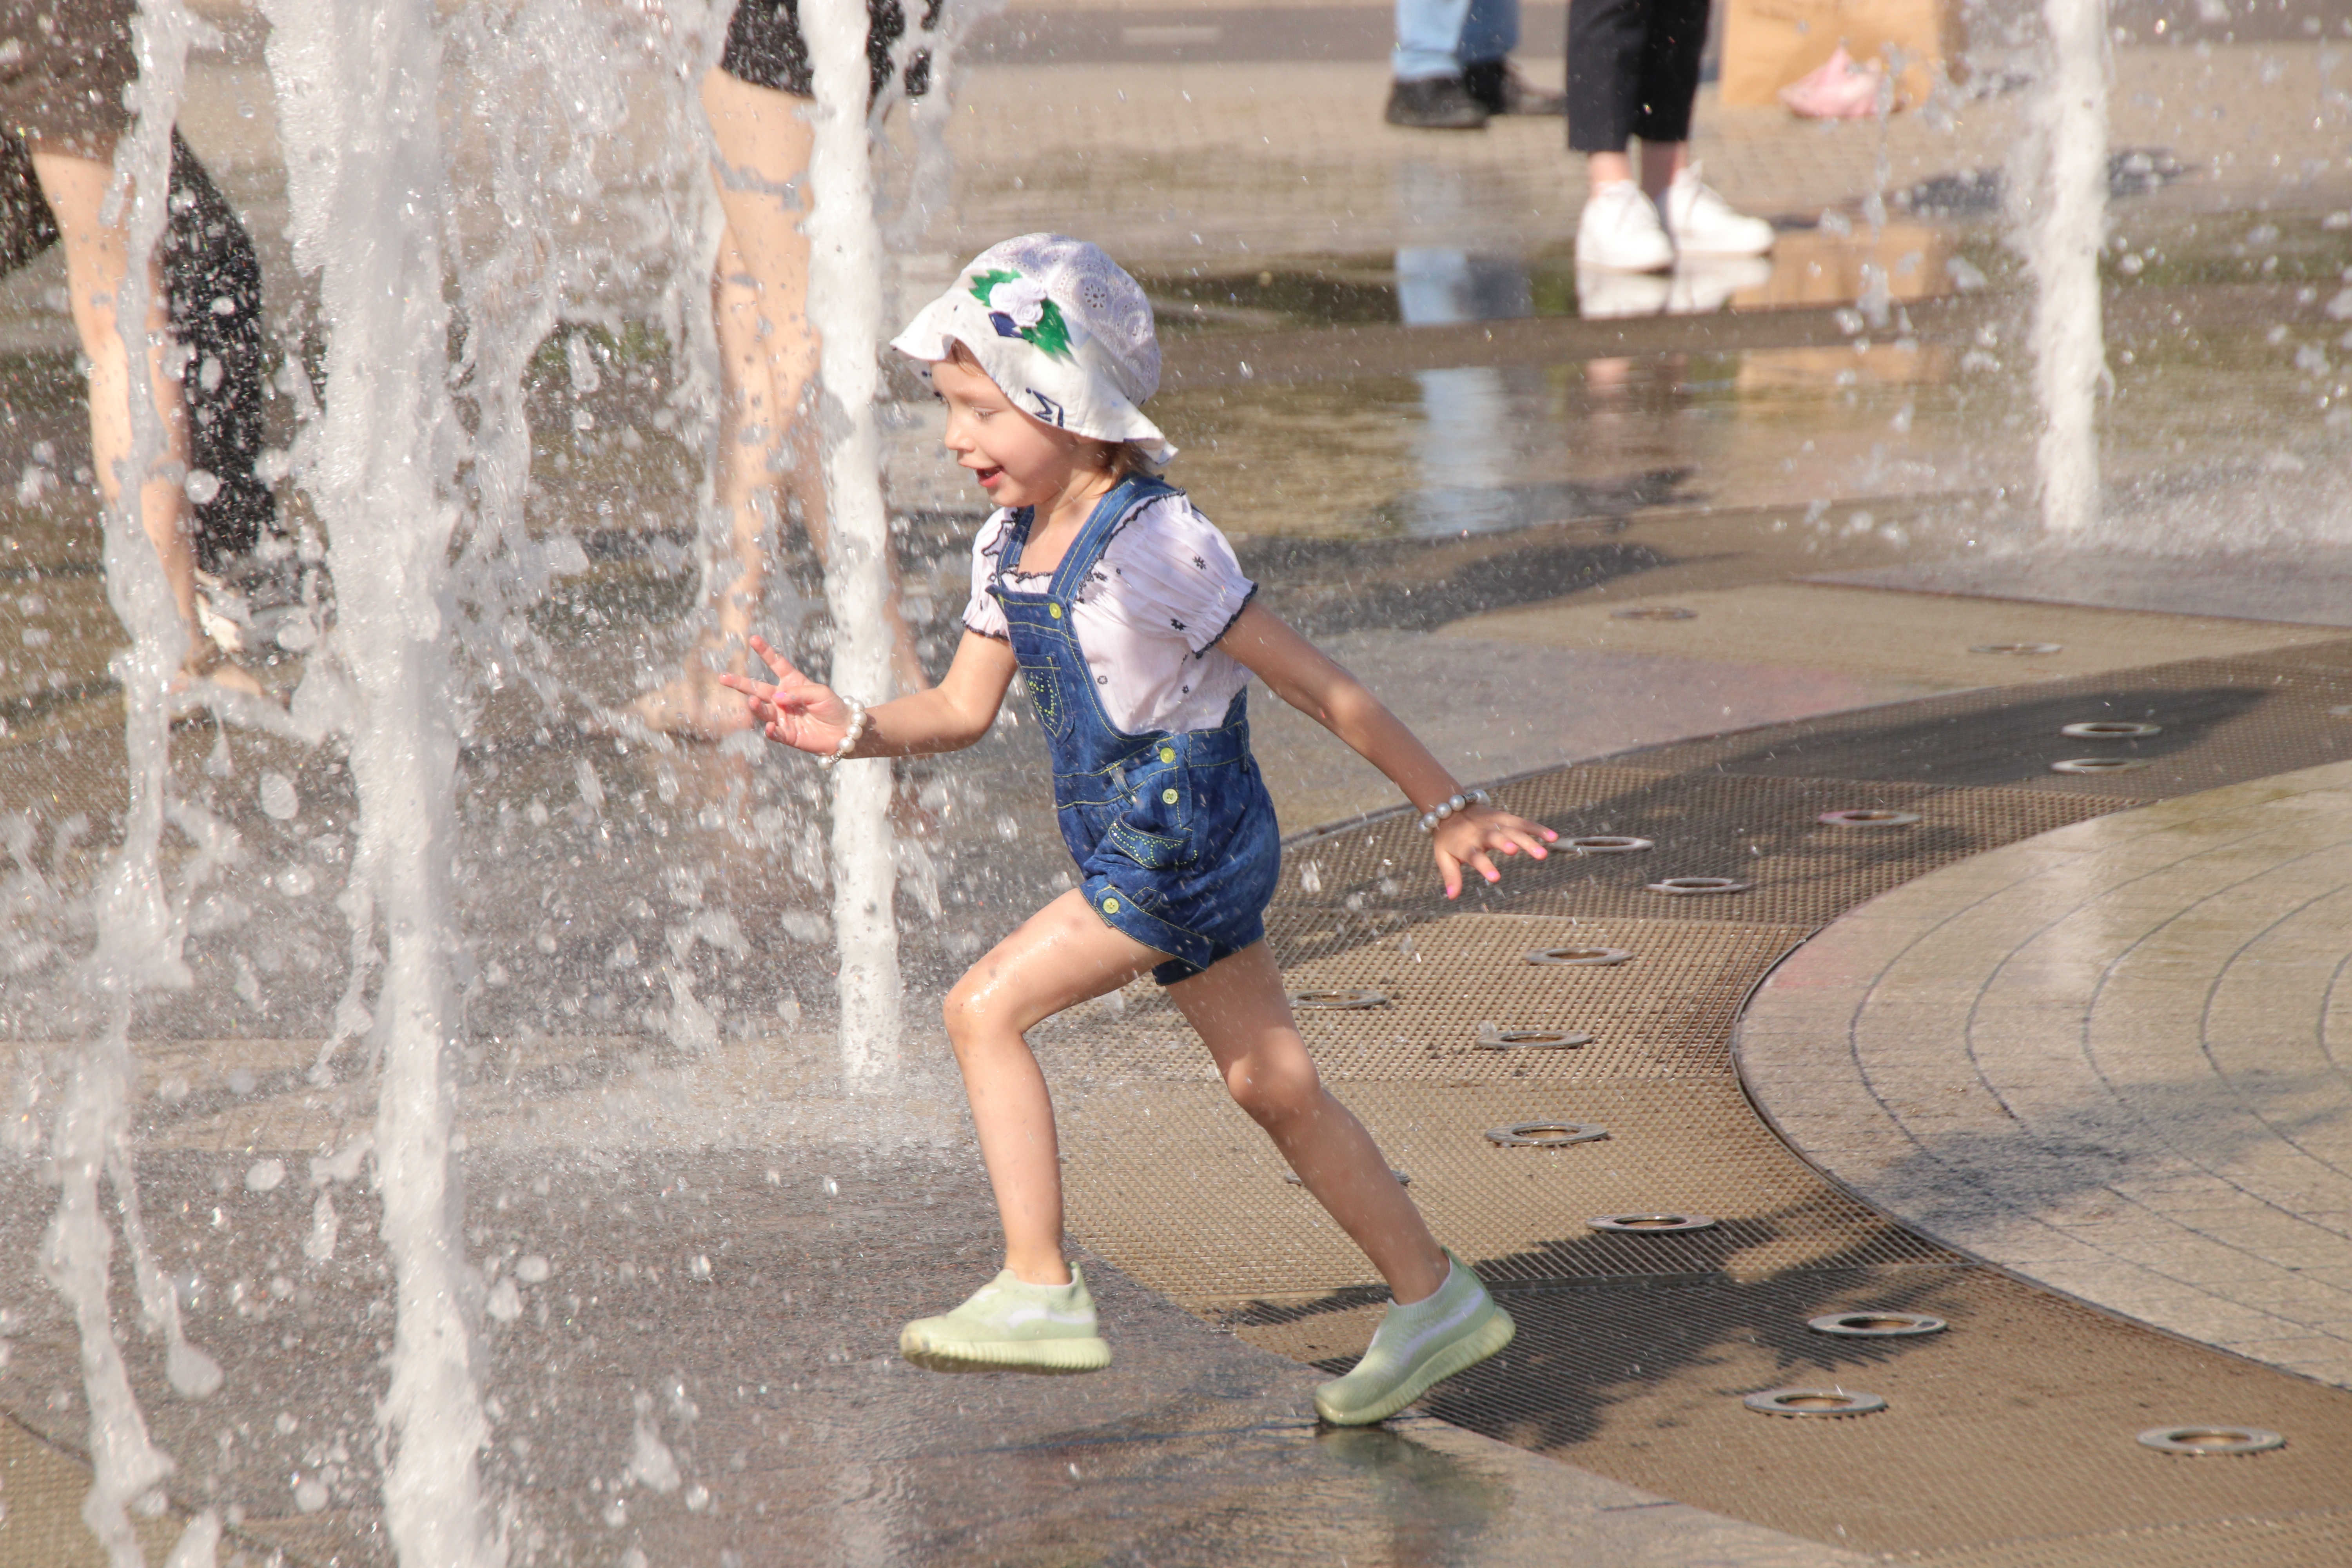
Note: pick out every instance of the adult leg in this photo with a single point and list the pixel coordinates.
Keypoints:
(1490, 33)
(1242, 1015)
(1427, 93)
(767, 357)
(1428, 38)
(1619, 230)
(769, 462)
(1671, 47)
(1061, 955)
(97, 260)
(1698, 221)
(1605, 39)
(763, 141)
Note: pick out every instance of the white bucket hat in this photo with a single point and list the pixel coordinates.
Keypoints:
(1061, 328)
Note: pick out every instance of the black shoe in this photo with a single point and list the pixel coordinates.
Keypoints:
(1435, 103)
(1501, 90)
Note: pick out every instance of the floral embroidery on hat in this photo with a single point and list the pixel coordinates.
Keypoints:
(1018, 308)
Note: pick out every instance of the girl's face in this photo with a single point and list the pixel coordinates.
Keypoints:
(1019, 461)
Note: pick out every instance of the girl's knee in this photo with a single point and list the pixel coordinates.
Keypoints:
(1275, 1089)
(975, 1010)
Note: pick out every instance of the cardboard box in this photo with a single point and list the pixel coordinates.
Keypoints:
(1768, 44)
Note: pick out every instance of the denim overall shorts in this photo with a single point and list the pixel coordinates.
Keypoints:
(1174, 834)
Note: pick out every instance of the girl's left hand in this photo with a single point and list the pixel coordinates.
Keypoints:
(1464, 838)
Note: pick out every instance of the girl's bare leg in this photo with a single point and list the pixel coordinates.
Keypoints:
(98, 259)
(1242, 1015)
(1061, 956)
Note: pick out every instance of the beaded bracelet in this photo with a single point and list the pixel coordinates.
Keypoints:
(849, 737)
(1430, 818)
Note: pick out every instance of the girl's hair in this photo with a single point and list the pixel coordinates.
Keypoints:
(1117, 459)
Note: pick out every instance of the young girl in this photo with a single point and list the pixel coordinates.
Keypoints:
(1125, 616)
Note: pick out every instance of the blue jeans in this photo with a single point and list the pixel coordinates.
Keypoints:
(1438, 37)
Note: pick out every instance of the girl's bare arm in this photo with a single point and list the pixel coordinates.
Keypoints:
(812, 717)
(1303, 676)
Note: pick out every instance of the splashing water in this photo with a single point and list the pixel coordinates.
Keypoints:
(846, 268)
(357, 83)
(140, 925)
(2062, 190)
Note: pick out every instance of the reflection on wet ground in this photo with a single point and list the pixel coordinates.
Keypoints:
(623, 1292)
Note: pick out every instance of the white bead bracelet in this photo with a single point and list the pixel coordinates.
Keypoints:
(849, 737)
(1443, 809)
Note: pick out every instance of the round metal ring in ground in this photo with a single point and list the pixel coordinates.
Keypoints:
(1688, 887)
(2112, 729)
(1605, 844)
(1652, 1223)
(1867, 816)
(1814, 1401)
(2096, 765)
(1324, 1001)
(1544, 1134)
(1654, 613)
(2027, 648)
(1528, 1040)
(1876, 1325)
(1587, 957)
(2211, 1440)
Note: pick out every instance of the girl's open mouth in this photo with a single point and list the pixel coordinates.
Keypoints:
(988, 477)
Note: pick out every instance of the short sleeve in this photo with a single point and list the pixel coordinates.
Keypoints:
(1177, 573)
(983, 614)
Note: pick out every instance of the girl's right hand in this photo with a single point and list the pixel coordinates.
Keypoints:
(795, 711)
(1464, 839)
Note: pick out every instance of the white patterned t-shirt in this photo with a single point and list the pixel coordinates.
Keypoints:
(1147, 617)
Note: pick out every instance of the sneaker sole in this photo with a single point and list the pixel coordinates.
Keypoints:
(1458, 1357)
(1048, 1357)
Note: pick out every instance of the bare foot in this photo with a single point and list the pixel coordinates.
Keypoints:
(693, 707)
(206, 662)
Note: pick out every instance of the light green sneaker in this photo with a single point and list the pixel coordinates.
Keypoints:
(1009, 1326)
(1416, 1347)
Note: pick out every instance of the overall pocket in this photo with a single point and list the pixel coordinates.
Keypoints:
(1152, 851)
(1155, 831)
(1045, 698)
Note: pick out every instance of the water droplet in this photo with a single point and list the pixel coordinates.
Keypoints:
(278, 797)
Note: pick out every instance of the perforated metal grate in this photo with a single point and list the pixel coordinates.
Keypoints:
(1763, 830)
(2223, 721)
(2016, 1424)
(2322, 1540)
(1686, 1146)
(1666, 1012)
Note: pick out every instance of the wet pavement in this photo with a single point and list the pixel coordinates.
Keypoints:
(1442, 451)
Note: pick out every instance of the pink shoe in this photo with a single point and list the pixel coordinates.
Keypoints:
(1840, 90)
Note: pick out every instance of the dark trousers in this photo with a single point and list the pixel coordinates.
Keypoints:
(1633, 71)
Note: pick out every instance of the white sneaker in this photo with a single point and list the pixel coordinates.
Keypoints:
(1617, 231)
(1703, 223)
